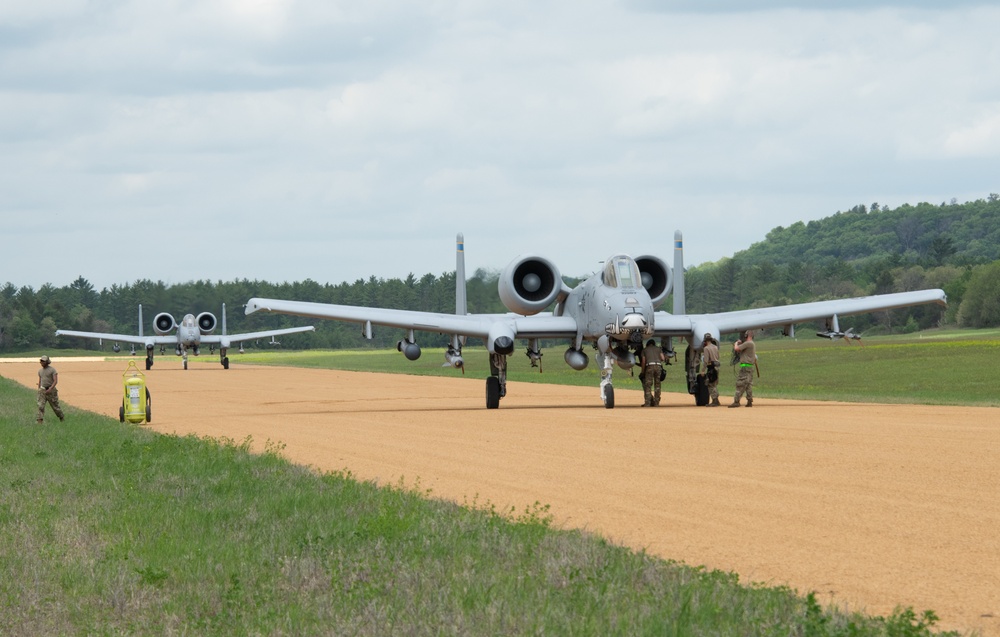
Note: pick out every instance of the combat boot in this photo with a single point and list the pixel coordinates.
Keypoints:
(736, 403)
(749, 402)
(715, 402)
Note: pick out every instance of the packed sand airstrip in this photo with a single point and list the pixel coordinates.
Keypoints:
(872, 506)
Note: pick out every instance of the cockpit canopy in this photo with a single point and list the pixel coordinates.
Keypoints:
(620, 271)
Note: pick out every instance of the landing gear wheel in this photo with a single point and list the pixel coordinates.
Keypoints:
(149, 362)
(225, 363)
(492, 392)
(185, 364)
(121, 413)
(608, 394)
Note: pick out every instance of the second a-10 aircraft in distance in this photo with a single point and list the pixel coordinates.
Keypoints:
(188, 335)
(614, 310)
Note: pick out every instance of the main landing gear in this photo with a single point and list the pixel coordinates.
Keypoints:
(496, 384)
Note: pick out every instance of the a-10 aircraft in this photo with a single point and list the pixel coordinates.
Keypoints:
(188, 335)
(615, 311)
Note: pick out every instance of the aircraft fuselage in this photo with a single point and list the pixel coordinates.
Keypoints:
(188, 332)
(622, 314)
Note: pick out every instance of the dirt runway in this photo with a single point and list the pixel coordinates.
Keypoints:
(872, 506)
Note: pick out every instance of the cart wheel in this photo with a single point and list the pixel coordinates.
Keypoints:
(121, 413)
(149, 407)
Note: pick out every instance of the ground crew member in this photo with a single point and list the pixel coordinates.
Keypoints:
(48, 377)
(746, 351)
(651, 361)
(710, 357)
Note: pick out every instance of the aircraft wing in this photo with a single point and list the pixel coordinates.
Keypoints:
(152, 339)
(801, 312)
(474, 325)
(545, 325)
(225, 339)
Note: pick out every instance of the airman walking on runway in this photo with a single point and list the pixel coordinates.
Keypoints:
(48, 377)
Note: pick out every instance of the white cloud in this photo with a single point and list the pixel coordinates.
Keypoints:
(980, 139)
(570, 129)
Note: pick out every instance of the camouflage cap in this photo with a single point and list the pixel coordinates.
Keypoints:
(44, 359)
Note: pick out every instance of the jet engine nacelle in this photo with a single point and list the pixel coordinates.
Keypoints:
(164, 324)
(529, 284)
(657, 277)
(206, 322)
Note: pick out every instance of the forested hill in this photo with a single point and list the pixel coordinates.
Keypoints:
(869, 250)
(959, 234)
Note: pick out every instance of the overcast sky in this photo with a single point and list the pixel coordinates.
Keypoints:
(290, 139)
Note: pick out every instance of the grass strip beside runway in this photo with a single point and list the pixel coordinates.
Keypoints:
(113, 529)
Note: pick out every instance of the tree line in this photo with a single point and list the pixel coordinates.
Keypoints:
(865, 250)
(29, 317)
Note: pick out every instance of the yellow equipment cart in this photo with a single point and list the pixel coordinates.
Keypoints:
(136, 404)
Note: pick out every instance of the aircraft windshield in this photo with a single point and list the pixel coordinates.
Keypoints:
(621, 272)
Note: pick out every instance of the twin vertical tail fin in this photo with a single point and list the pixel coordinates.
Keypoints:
(680, 303)
(453, 357)
(461, 304)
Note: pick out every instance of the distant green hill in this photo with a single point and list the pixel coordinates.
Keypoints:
(956, 234)
(868, 250)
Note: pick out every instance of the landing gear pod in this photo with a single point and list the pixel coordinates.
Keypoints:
(136, 405)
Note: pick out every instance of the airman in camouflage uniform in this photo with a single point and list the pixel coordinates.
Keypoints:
(651, 363)
(48, 377)
(710, 357)
(747, 351)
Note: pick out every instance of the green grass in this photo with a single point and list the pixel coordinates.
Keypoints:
(110, 529)
(944, 367)
(947, 368)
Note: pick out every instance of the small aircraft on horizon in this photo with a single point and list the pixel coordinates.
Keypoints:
(614, 311)
(192, 332)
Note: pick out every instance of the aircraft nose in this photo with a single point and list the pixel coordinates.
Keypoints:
(634, 321)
